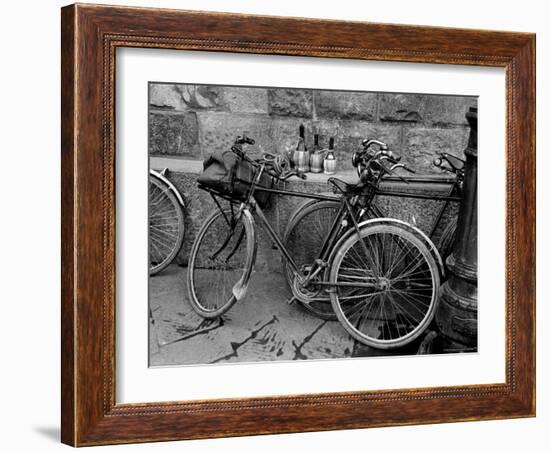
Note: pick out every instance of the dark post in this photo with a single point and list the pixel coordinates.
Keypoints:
(457, 313)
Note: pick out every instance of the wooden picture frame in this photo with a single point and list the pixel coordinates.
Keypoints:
(90, 36)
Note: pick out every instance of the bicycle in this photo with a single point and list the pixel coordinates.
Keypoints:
(166, 221)
(311, 221)
(382, 278)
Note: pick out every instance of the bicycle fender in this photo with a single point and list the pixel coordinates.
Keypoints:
(419, 233)
(171, 186)
(240, 288)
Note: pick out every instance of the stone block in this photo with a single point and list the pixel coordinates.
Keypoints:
(402, 107)
(202, 97)
(173, 134)
(422, 144)
(348, 136)
(444, 111)
(418, 212)
(290, 102)
(165, 96)
(346, 105)
(219, 130)
(246, 100)
(286, 131)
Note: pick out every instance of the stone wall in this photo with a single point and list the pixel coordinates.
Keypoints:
(192, 121)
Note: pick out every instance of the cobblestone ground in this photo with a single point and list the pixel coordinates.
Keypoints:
(260, 327)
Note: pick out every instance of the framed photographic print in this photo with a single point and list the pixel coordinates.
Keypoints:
(279, 225)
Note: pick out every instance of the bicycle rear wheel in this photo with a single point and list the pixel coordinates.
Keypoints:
(304, 237)
(220, 263)
(166, 225)
(387, 286)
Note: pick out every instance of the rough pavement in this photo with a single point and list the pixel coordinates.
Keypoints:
(260, 327)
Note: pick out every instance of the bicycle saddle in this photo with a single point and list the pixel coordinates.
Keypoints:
(455, 162)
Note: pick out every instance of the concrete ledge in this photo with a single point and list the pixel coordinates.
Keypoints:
(188, 166)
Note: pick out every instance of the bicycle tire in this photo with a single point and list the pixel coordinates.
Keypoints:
(217, 240)
(303, 247)
(166, 225)
(411, 301)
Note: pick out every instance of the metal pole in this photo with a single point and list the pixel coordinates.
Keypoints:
(456, 317)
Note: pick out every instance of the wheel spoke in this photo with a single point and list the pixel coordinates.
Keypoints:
(304, 238)
(166, 225)
(401, 269)
(218, 261)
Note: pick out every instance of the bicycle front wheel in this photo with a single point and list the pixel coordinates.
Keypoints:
(220, 263)
(386, 286)
(166, 225)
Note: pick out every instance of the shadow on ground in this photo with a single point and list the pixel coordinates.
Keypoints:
(260, 327)
(50, 432)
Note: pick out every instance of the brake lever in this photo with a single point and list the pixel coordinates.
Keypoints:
(390, 158)
(382, 166)
(406, 168)
(244, 139)
(403, 179)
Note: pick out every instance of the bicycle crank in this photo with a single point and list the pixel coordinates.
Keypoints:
(307, 295)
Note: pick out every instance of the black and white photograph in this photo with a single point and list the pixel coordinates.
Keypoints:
(297, 224)
(244, 225)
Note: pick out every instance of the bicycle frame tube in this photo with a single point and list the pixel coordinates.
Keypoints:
(344, 208)
(327, 245)
(450, 197)
(295, 193)
(382, 192)
(332, 236)
(265, 223)
(438, 219)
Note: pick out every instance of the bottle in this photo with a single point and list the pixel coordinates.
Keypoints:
(317, 156)
(329, 162)
(301, 155)
(316, 143)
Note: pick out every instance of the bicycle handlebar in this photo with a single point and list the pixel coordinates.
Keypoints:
(367, 157)
(369, 142)
(244, 140)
